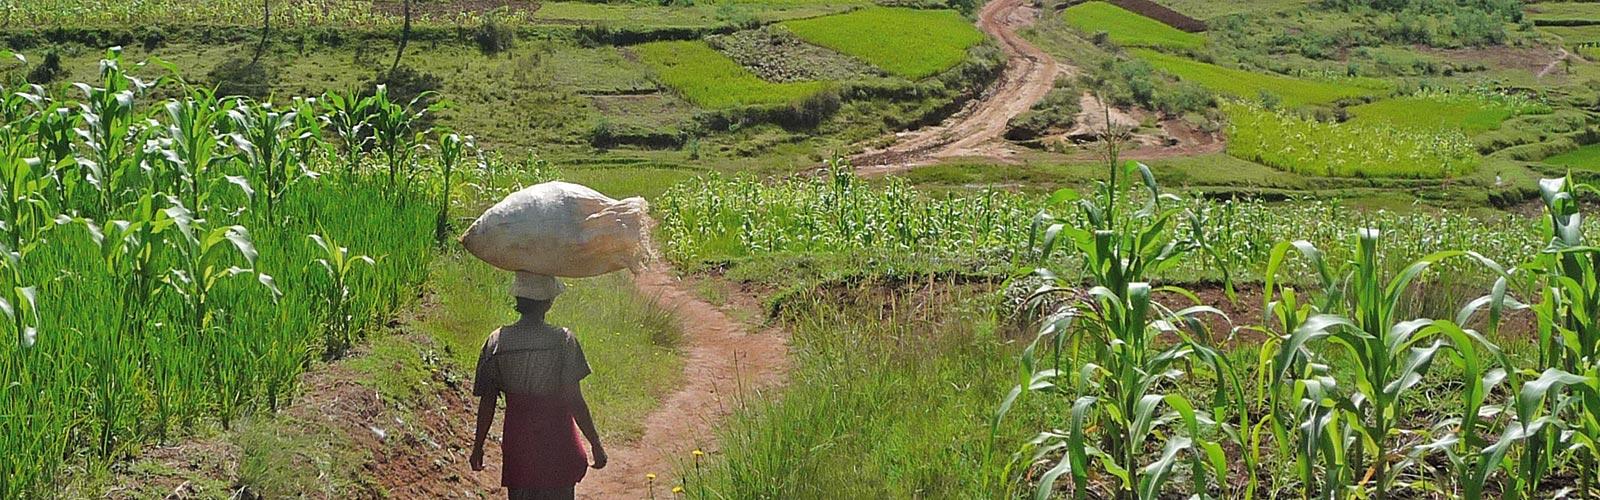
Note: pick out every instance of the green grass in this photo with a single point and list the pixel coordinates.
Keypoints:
(1432, 114)
(1127, 28)
(1211, 9)
(888, 399)
(910, 43)
(1294, 92)
(1583, 158)
(621, 182)
(711, 80)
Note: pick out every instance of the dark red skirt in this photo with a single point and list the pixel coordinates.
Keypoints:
(541, 444)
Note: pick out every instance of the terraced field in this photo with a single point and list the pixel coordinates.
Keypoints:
(1252, 85)
(938, 42)
(712, 80)
(1127, 28)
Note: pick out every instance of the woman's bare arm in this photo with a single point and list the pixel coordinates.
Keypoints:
(580, 414)
(486, 408)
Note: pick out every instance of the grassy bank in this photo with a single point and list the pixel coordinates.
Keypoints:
(890, 397)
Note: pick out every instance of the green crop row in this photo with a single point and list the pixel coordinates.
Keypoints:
(1346, 383)
(729, 218)
(1307, 146)
(177, 262)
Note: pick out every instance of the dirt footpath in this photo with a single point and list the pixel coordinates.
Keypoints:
(978, 129)
(723, 361)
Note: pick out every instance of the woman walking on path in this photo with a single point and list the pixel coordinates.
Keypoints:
(537, 366)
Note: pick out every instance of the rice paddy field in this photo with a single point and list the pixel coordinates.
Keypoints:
(903, 249)
(1424, 113)
(1127, 28)
(1583, 158)
(712, 80)
(909, 43)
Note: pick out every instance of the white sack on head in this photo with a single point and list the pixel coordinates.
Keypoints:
(562, 229)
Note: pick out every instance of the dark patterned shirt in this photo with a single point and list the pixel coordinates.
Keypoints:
(536, 360)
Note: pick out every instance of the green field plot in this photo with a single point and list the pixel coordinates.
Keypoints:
(1584, 158)
(1575, 35)
(1212, 9)
(1249, 85)
(1423, 113)
(1127, 28)
(650, 15)
(905, 42)
(370, 14)
(712, 80)
(1310, 147)
(1564, 12)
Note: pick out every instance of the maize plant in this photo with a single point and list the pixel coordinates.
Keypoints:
(338, 267)
(450, 147)
(1360, 315)
(124, 232)
(348, 115)
(194, 148)
(263, 140)
(108, 117)
(397, 130)
(1569, 328)
(1117, 353)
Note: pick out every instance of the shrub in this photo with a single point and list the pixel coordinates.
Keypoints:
(492, 38)
(47, 71)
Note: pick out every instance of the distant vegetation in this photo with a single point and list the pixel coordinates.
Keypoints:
(928, 41)
(712, 80)
(1252, 85)
(1128, 29)
(1307, 146)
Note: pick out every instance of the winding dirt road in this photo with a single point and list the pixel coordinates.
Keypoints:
(722, 363)
(978, 129)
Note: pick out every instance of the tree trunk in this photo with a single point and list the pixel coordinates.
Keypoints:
(405, 36)
(266, 31)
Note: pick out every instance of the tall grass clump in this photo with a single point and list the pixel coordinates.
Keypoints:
(1307, 146)
(174, 263)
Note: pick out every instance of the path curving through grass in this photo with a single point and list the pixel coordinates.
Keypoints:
(723, 362)
(978, 129)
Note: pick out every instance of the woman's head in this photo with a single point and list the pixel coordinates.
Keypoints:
(533, 308)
